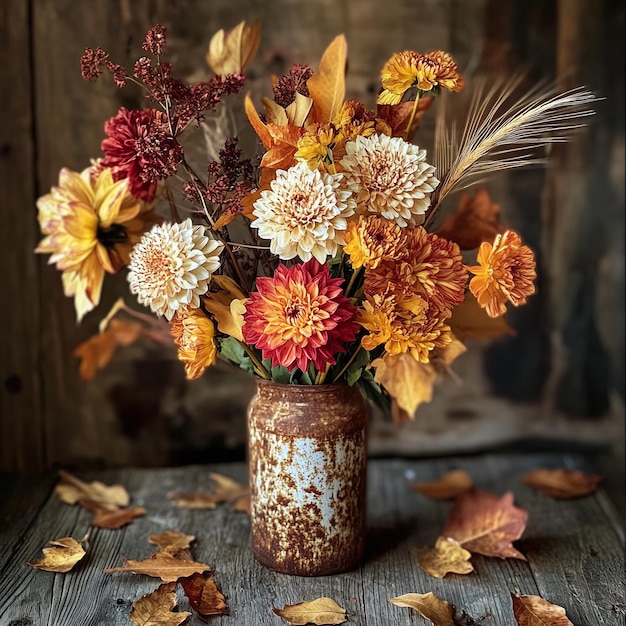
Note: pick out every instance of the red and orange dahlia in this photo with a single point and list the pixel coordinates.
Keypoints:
(300, 316)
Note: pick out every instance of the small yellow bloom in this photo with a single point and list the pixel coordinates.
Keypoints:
(371, 240)
(194, 334)
(315, 146)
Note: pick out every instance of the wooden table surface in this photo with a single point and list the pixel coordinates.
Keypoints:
(575, 551)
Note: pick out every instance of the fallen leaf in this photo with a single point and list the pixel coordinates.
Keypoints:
(328, 85)
(225, 490)
(322, 612)
(230, 53)
(535, 611)
(242, 504)
(428, 605)
(448, 487)
(155, 609)
(162, 565)
(193, 500)
(72, 490)
(61, 557)
(469, 320)
(484, 524)
(204, 596)
(116, 519)
(447, 557)
(174, 543)
(562, 483)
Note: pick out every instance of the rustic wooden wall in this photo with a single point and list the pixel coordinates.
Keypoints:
(569, 353)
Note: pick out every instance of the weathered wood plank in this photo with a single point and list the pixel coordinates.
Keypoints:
(573, 551)
(21, 420)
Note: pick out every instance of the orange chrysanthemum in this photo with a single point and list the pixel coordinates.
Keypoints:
(300, 316)
(505, 273)
(371, 240)
(429, 266)
(403, 326)
(425, 71)
(194, 334)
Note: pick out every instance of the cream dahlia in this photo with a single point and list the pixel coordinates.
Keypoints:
(389, 177)
(171, 266)
(304, 213)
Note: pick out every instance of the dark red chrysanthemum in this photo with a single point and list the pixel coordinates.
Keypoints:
(300, 316)
(141, 148)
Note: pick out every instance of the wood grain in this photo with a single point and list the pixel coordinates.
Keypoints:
(574, 550)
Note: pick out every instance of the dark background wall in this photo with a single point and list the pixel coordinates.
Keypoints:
(562, 375)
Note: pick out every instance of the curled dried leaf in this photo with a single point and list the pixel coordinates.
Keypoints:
(231, 53)
(72, 490)
(204, 596)
(535, 611)
(62, 556)
(173, 542)
(448, 487)
(116, 519)
(155, 609)
(322, 612)
(447, 557)
(561, 483)
(428, 605)
(162, 565)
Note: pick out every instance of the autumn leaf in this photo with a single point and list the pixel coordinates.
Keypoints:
(321, 612)
(328, 85)
(155, 609)
(162, 565)
(72, 490)
(298, 111)
(535, 611)
(219, 304)
(398, 115)
(255, 121)
(281, 153)
(439, 612)
(62, 556)
(469, 320)
(193, 500)
(115, 519)
(174, 543)
(230, 53)
(561, 483)
(484, 524)
(447, 487)
(447, 557)
(204, 596)
(225, 490)
(477, 219)
(242, 504)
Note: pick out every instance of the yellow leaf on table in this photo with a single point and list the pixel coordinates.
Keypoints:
(438, 611)
(173, 542)
(448, 487)
(72, 490)
(204, 596)
(242, 504)
(447, 557)
(321, 612)
(61, 557)
(225, 490)
(115, 519)
(155, 609)
(328, 85)
(193, 500)
(231, 53)
(470, 321)
(535, 611)
(561, 483)
(162, 565)
(484, 524)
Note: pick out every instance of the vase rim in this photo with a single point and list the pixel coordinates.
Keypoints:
(328, 387)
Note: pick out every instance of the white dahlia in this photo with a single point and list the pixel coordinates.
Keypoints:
(171, 266)
(304, 213)
(389, 177)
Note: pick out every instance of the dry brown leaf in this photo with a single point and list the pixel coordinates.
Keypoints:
(242, 504)
(449, 486)
(219, 304)
(72, 490)
(225, 490)
(438, 611)
(484, 524)
(477, 219)
(231, 53)
(204, 596)
(298, 111)
(328, 85)
(535, 611)
(321, 612)
(561, 483)
(174, 543)
(62, 556)
(115, 519)
(398, 115)
(193, 500)
(255, 121)
(96, 352)
(447, 557)
(155, 609)
(281, 154)
(162, 565)
(469, 320)
(274, 113)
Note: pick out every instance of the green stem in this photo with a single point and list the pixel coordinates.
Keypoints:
(353, 278)
(260, 368)
(407, 132)
(344, 369)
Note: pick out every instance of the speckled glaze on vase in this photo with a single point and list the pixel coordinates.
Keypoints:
(307, 448)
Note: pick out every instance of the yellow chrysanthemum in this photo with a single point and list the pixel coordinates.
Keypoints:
(408, 69)
(89, 221)
(316, 145)
(194, 334)
(371, 240)
(505, 273)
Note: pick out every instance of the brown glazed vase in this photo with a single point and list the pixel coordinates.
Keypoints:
(308, 464)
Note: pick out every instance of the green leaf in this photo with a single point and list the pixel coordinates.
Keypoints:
(356, 367)
(372, 391)
(305, 379)
(232, 350)
(280, 374)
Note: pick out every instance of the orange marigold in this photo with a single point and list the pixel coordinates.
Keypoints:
(373, 239)
(505, 273)
(437, 69)
(194, 334)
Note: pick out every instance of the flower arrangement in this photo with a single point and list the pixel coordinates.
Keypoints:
(315, 260)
